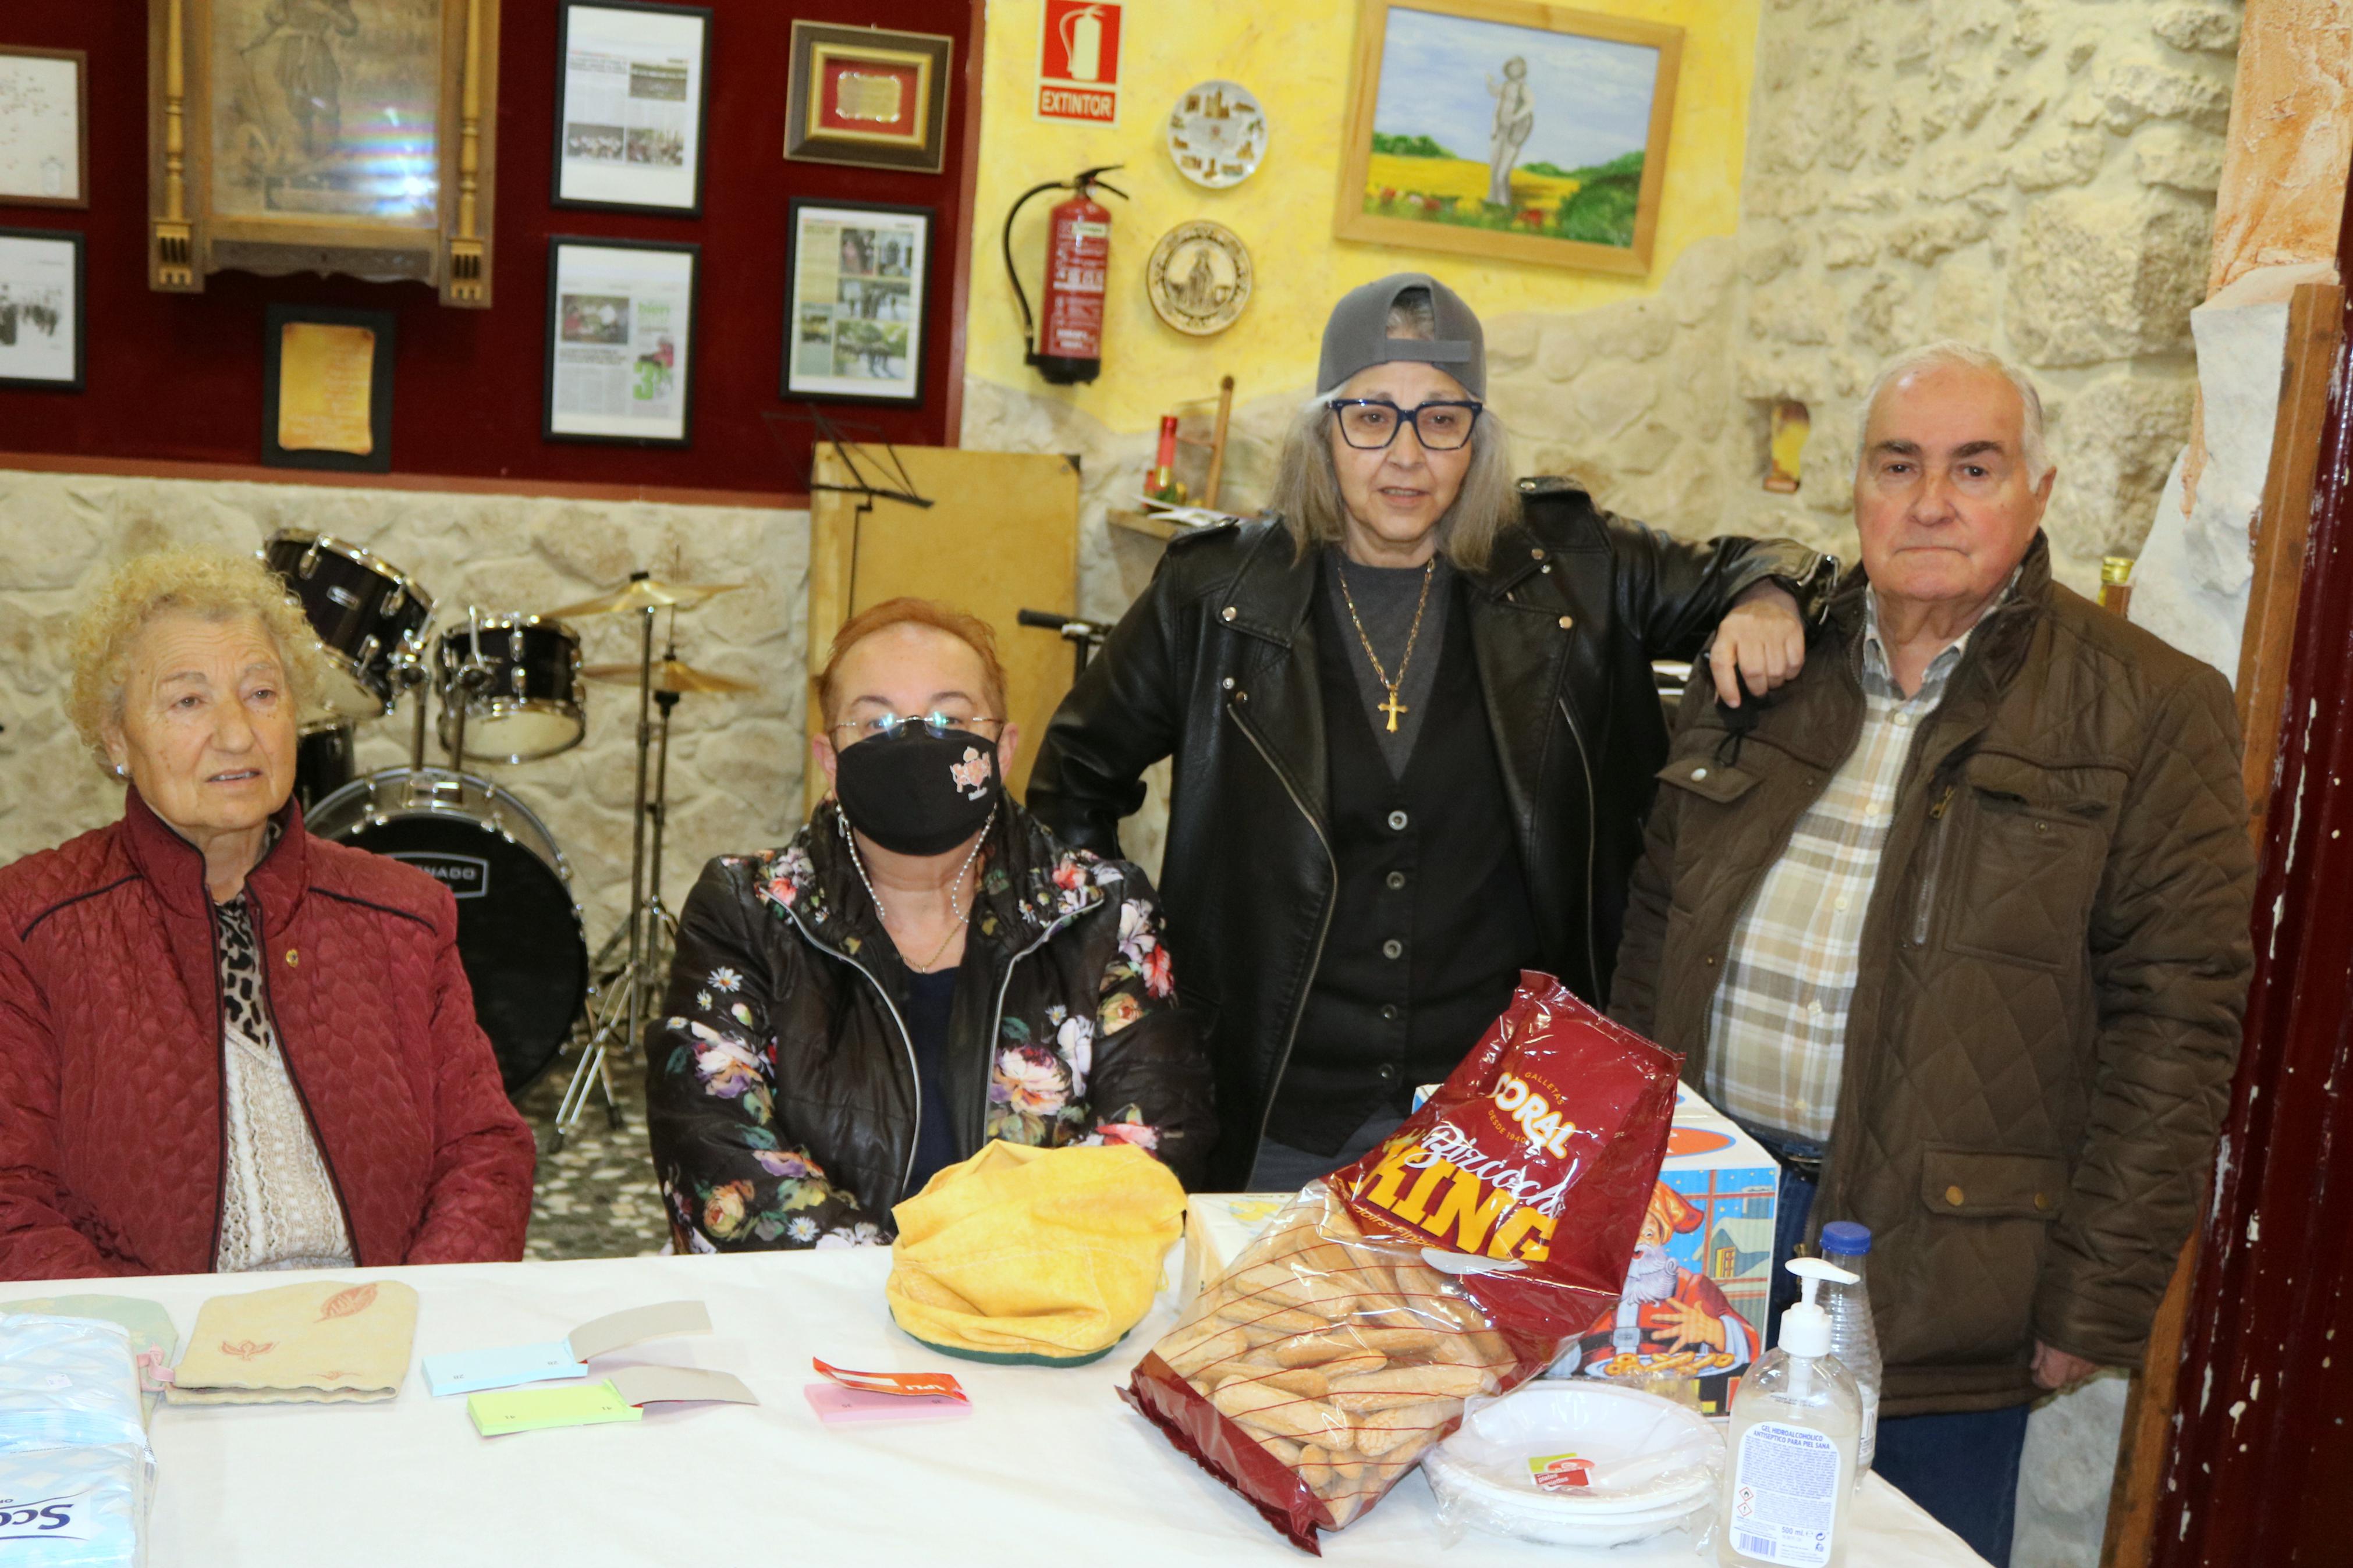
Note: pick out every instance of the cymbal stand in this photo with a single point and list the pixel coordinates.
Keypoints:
(623, 1004)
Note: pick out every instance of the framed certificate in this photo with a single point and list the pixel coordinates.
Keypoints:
(43, 127)
(863, 96)
(41, 310)
(632, 104)
(855, 301)
(621, 342)
(327, 391)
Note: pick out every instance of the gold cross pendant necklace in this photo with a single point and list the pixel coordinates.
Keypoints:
(1392, 707)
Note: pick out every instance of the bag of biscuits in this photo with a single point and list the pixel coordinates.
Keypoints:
(1451, 1261)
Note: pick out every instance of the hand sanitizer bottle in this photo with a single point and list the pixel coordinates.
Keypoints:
(1794, 1425)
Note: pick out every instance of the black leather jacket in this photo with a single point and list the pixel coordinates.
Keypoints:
(781, 1095)
(1215, 665)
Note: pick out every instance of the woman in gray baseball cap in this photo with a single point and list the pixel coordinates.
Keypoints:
(1414, 731)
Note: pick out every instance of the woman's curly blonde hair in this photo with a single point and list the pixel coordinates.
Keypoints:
(218, 588)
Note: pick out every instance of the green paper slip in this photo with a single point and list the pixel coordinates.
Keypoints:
(537, 1409)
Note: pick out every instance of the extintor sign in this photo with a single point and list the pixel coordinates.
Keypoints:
(1078, 62)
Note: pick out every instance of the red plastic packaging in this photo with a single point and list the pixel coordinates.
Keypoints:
(1451, 1262)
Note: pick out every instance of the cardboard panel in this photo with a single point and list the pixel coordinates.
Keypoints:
(1001, 535)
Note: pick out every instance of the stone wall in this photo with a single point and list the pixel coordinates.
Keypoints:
(736, 761)
(2037, 177)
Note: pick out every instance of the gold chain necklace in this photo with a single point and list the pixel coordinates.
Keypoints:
(1392, 707)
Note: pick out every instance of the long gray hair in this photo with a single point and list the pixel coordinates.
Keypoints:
(1306, 491)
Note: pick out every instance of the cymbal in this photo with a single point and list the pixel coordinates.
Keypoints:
(670, 675)
(643, 593)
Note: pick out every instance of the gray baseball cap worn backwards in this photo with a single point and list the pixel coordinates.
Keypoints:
(1358, 335)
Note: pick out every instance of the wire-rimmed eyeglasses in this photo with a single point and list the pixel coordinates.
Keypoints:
(1370, 423)
(891, 726)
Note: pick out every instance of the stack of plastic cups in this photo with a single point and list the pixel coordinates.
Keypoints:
(1852, 1339)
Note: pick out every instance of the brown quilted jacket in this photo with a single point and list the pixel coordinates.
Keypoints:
(110, 1112)
(2054, 968)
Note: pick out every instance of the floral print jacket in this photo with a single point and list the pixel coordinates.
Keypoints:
(782, 1098)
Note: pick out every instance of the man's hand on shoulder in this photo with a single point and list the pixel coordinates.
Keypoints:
(1760, 642)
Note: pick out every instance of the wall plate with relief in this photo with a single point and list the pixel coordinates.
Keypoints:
(1200, 277)
(1217, 133)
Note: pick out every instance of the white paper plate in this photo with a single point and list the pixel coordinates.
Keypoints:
(1652, 1458)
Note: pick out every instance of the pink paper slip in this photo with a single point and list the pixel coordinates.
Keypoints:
(834, 1403)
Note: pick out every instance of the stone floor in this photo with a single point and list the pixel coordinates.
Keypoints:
(595, 1196)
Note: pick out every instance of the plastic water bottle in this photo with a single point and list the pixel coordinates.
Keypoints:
(1852, 1339)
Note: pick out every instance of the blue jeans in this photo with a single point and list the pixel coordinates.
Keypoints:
(1962, 1468)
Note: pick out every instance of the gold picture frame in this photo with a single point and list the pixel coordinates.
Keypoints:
(1404, 182)
(343, 136)
(868, 96)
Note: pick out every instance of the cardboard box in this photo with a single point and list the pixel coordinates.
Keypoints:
(1706, 1263)
(1694, 1312)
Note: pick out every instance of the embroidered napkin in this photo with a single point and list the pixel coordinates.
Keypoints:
(328, 1342)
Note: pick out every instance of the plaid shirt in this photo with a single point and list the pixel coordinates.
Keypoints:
(1778, 1027)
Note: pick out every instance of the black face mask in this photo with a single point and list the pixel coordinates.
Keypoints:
(917, 793)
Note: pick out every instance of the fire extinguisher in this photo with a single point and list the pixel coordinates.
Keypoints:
(1068, 347)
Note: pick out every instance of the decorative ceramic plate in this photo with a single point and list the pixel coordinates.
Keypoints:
(1217, 133)
(1198, 276)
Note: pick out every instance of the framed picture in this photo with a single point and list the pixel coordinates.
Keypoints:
(1503, 129)
(327, 391)
(620, 341)
(632, 103)
(43, 127)
(41, 310)
(864, 95)
(855, 301)
(352, 136)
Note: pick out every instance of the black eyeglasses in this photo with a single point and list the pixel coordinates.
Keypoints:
(891, 726)
(1370, 423)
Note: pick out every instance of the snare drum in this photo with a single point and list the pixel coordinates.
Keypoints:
(367, 614)
(519, 933)
(523, 702)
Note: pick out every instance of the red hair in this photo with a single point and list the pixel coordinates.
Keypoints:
(967, 629)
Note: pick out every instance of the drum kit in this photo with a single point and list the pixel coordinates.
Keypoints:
(511, 690)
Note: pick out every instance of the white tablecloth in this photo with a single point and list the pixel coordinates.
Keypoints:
(1050, 1468)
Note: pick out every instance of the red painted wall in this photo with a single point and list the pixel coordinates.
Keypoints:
(178, 377)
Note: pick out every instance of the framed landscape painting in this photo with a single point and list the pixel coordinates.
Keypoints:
(1500, 127)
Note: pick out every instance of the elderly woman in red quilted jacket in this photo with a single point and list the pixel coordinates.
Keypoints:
(224, 1044)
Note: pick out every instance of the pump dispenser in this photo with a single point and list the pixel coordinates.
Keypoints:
(1795, 1426)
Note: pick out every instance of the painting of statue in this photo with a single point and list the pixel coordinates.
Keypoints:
(1474, 121)
(327, 108)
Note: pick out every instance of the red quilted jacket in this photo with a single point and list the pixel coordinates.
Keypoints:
(110, 1110)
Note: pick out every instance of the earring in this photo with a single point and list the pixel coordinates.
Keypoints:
(121, 772)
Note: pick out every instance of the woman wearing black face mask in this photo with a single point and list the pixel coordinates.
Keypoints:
(924, 968)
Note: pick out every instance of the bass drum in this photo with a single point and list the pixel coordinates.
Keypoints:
(518, 933)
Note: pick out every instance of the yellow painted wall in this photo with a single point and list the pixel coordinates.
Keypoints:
(1295, 56)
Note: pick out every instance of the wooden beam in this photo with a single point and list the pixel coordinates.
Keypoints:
(2283, 526)
(450, 484)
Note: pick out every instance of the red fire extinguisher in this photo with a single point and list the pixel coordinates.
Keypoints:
(1067, 347)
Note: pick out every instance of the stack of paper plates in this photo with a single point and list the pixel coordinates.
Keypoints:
(1649, 1465)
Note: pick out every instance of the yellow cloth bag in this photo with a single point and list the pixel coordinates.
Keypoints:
(1028, 1256)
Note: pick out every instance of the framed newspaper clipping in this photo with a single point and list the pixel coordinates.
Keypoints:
(856, 307)
(621, 342)
(349, 136)
(632, 105)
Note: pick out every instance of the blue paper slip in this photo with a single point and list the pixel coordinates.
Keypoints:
(511, 1366)
(507, 1366)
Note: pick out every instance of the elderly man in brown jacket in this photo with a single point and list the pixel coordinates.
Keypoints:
(1956, 923)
